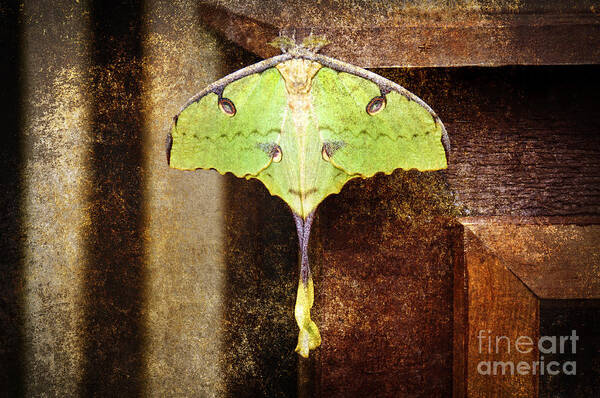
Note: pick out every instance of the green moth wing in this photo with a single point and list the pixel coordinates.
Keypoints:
(304, 124)
(234, 131)
(357, 124)
(366, 131)
(301, 177)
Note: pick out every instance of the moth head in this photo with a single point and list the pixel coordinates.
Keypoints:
(298, 74)
(284, 43)
(311, 44)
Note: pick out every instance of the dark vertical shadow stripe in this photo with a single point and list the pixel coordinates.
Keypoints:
(261, 279)
(11, 239)
(114, 276)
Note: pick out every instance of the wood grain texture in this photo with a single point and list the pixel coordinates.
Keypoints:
(509, 276)
(555, 261)
(384, 288)
(560, 318)
(524, 140)
(386, 322)
(461, 316)
(499, 304)
(421, 33)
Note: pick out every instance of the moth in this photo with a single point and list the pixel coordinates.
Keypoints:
(304, 124)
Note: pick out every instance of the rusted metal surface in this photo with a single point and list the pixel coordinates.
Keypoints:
(422, 33)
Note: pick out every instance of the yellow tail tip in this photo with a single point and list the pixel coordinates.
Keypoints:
(309, 337)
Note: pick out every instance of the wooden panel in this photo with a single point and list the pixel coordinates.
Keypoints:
(422, 33)
(498, 305)
(505, 268)
(554, 261)
(384, 288)
(386, 317)
(560, 318)
(524, 140)
(461, 317)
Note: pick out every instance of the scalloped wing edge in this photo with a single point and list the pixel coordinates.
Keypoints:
(387, 173)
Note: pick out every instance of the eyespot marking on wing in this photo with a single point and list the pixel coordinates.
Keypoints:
(329, 148)
(325, 153)
(376, 105)
(273, 150)
(168, 147)
(276, 153)
(226, 106)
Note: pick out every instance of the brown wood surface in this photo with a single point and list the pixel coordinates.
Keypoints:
(525, 148)
(461, 317)
(524, 140)
(560, 318)
(386, 317)
(506, 270)
(426, 34)
(500, 304)
(525, 143)
(384, 289)
(555, 261)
